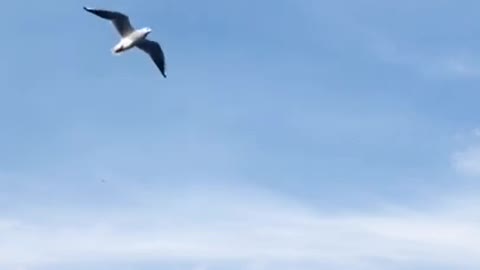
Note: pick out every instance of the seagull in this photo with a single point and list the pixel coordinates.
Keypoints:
(131, 37)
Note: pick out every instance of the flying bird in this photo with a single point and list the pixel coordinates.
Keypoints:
(131, 37)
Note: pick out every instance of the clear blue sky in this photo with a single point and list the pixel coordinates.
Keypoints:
(288, 135)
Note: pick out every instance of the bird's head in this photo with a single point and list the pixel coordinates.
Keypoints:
(147, 30)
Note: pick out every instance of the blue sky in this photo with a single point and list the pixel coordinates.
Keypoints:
(288, 135)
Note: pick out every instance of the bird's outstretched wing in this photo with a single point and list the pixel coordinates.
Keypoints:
(119, 20)
(153, 49)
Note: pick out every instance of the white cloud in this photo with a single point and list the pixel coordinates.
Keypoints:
(467, 161)
(460, 66)
(244, 227)
(448, 63)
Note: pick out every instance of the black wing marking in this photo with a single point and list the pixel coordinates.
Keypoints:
(153, 49)
(119, 20)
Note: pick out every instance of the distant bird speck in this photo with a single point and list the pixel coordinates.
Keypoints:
(131, 37)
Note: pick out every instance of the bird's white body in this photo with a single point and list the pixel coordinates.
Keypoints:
(123, 45)
(131, 40)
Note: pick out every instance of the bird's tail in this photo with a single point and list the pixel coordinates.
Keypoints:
(118, 49)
